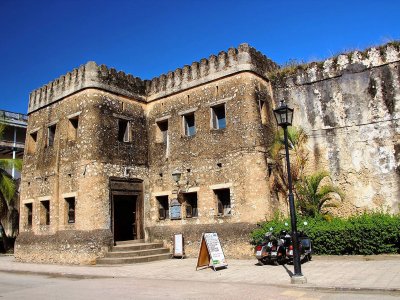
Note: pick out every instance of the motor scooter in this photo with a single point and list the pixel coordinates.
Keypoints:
(262, 250)
(271, 251)
(305, 247)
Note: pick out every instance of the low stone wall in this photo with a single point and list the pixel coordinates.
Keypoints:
(234, 238)
(65, 247)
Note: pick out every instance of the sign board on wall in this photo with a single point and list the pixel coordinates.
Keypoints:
(211, 253)
(175, 210)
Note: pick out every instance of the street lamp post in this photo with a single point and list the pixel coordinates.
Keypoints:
(284, 117)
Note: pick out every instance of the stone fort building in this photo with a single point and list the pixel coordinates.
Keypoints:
(102, 146)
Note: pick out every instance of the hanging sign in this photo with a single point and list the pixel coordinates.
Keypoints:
(178, 245)
(210, 253)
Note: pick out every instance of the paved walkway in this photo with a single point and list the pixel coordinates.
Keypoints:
(369, 273)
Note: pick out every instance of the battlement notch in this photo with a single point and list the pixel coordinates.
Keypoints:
(86, 76)
(352, 62)
(244, 58)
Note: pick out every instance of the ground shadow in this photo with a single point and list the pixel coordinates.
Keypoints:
(290, 273)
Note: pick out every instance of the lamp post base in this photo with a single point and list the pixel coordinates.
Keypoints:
(298, 279)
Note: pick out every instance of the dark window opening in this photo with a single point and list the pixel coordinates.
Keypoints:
(70, 209)
(270, 168)
(191, 205)
(162, 133)
(263, 112)
(20, 135)
(189, 124)
(124, 134)
(32, 142)
(223, 201)
(73, 128)
(45, 212)
(218, 117)
(8, 134)
(163, 207)
(51, 135)
(28, 208)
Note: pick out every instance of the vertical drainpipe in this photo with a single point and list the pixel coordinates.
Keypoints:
(14, 152)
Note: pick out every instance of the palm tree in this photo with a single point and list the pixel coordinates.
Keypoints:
(8, 187)
(297, 140)
(313, 194)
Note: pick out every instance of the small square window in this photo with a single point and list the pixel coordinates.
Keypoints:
(32, 142)
(51, 134)
(45, 212)
(28, 210)
(218, 118)
(162, 132)
(263, 111)
(223, 202)
(73, 128)
(189, 124)
(163, 207)
(191, 204)
(124, 131)
(70, 209)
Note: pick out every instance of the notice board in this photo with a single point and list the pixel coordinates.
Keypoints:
(211, 253)
(178, 245)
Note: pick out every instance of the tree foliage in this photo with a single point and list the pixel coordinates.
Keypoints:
(8, 189)
(297, 140)
(313, 194)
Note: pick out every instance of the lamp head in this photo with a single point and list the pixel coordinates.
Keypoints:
(176, 175)
(283, 115)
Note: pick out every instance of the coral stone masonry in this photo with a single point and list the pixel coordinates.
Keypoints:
(103, 145)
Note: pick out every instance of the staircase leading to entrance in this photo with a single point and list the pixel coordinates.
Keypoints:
(135, 251)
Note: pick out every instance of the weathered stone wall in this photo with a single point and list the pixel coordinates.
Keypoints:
(348, 105)
(67, 246)
(234, 237)
(350, 108)
(234, 157)
(78, 167)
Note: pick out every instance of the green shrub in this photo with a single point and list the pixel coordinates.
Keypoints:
(370, 233)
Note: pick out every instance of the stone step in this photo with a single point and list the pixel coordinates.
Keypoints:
(132, 260)
(146, 252)
(129, 242)
(136, 247)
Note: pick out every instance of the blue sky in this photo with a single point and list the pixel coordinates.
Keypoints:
(41, 40)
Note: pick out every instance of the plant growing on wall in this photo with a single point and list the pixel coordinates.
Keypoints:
(314, 194)
(297, 140)
(8, 197)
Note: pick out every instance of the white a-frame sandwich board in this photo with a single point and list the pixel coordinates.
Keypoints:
(210, 253)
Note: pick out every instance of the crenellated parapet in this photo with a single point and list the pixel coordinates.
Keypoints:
(89, 75)
(244, 58)
(352, 62)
